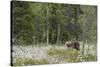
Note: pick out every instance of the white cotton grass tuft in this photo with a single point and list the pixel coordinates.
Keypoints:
(34, 53)
(40, 54)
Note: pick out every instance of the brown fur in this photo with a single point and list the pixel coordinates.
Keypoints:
(73, 45)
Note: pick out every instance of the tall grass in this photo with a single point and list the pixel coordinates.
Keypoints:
(51, 54)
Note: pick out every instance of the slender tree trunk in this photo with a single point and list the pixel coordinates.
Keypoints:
(47, 34)
(83, 37)
(58, 35)
(37, 41)
(88, 46)
(68, 13)
(47, 25)
(34, 40)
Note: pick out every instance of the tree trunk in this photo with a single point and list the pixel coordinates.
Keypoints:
(58, 35)
(69, 14)
(47, 25)
(47, 34)
(83, 38)
(88, 46)
(37, 41)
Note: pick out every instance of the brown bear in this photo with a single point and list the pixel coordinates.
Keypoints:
(73, 45)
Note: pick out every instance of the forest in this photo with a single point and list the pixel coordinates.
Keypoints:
(39, 31)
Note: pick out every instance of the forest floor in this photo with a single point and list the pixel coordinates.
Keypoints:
(51, 54)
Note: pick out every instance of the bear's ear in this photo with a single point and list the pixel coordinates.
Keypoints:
(67, 42)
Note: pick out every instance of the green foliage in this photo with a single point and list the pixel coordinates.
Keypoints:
(38, 24)
(32, 20)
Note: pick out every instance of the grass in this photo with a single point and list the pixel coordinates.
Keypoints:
(36, 55)
(62, 52)
(26, 62)
(67, 55)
